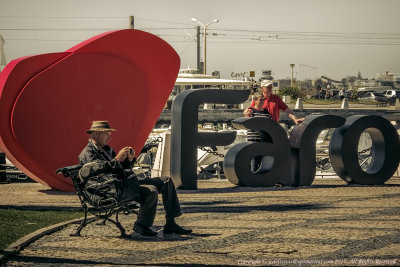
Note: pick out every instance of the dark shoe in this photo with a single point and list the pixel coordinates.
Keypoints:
(175, 229)
(143, 230)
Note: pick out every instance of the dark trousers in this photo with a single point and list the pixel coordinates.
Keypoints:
(166, 188)
(148, 205)
(146, 195)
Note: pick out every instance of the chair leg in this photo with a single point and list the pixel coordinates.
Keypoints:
(119, 225)
(83, 224)
(104, 218)
(121, 229)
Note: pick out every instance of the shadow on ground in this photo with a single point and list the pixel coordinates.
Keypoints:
(201, 207)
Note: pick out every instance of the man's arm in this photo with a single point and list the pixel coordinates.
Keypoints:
(287, 110)
(83, 159)
(292, 116)
(87, 155)
(247, 112)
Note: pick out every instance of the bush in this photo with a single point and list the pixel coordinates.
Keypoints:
(355, 95)
(294, 92)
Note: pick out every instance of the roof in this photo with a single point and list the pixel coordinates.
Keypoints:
(208, 81)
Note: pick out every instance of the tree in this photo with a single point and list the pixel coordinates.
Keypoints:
(359, 77)
(294, 92)
(351, 79)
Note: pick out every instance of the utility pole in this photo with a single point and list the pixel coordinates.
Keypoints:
(2, 53)
(132, 22)
(205, 40)
(205, 51)
(198, 49)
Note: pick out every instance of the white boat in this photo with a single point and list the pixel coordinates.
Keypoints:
(191, 79)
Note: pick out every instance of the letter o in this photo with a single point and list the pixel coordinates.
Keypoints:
(385, 150)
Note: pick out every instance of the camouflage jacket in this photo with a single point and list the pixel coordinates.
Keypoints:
(91, 153)
(103, 175)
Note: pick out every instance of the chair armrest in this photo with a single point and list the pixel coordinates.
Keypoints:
(69, 170)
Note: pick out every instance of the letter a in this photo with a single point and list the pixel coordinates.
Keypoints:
(237, 160)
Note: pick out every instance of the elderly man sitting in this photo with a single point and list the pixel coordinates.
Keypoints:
(143, 191)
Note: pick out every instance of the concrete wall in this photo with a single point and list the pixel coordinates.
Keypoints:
(227, 115)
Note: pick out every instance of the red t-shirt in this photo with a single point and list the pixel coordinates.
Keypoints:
(273, 104)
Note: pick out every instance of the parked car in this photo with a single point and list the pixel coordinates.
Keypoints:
(392, 93)
(365, 92)
(374, 96)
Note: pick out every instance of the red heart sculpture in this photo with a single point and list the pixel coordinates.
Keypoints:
(124, 77)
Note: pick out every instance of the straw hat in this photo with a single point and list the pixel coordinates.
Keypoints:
(100, 126)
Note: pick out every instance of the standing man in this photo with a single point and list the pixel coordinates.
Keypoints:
(319, 91)
(341, 93)
(272, 103)
(98, 149)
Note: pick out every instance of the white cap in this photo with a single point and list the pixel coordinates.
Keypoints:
(265, 83)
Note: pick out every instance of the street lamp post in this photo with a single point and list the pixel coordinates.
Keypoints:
(291, 84)
(205, 40)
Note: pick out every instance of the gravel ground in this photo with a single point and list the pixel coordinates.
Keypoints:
(328, 223)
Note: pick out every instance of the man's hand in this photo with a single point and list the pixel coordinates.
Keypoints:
(126, 152)
(130, 153)
(293, 117)
(247, 112)
(122, 154)
(297, 121)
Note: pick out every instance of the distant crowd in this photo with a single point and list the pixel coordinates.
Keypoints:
(328, 93)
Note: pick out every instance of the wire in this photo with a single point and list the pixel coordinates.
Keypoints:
(159, 29)
(164, 21)
(238, 36)
(191, 24)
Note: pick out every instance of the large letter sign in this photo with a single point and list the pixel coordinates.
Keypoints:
(237, 159)
(184, 135)
(293, 159)
(385, 150)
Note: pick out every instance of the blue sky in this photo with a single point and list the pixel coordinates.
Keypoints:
(322, 37)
